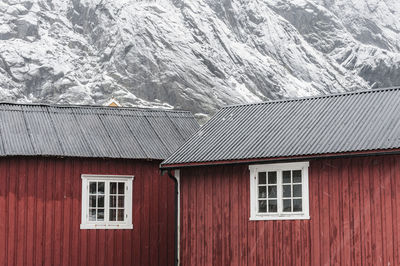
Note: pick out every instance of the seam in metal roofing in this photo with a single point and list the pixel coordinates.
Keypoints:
(92, 131)
(339, 123)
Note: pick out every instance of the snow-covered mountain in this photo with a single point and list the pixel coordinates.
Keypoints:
(194, 54)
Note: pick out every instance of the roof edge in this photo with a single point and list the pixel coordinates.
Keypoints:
(284, 158)
(298, 99)
(52, 156)
(97, 107)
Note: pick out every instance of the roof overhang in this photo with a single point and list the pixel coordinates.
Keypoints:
(284, 158)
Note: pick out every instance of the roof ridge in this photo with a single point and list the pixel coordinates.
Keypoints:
(96, 107)
(316, 97)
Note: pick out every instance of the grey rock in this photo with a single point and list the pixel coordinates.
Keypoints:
(197, 55)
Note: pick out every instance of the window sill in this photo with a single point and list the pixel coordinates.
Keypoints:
(278, 218)
(113, 227)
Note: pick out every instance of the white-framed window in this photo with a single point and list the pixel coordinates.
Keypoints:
(106, 202)
(279, 191)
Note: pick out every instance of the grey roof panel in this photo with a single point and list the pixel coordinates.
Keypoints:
(183, 123)
(165, 129)
(92, 131)
(43, 135)
(359, 121)
(96, 135)
(149, 139)
(72, 140)
(121, 133)
(15, 133)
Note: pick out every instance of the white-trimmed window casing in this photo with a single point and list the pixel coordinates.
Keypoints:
(105, 214)
(279, 169)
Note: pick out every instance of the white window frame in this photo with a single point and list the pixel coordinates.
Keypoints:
(85, 223)
(280, 215)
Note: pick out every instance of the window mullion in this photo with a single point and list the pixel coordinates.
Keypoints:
(106, 201)
(279, 190)
(256, 207)
(126, 202)
(254, 187)
(86, 203)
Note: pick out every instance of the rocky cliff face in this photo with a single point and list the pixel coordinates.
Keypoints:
(194, 54)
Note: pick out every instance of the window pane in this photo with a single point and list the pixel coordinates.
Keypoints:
(297, 176)
(272, 192)
(261, 178)
(296, 190)
(121, 188)
(271, 177)
(287, 191)
(113, 214)
(92, 187)
(262, 206)
(100, 214)
(100, 188)
(100, 201)
(262, 192)
(297, 205)
(92, 214)
(113, 201)
(113, 188)
(287, 205)
(120, 214)
(272, 206)
(121, 201)
(92, 201)
(286, 176)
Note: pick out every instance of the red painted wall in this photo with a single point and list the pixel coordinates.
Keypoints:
(354, 209)
(40, 214)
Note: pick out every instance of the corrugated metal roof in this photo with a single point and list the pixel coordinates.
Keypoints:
(358, 121)
(92, 131)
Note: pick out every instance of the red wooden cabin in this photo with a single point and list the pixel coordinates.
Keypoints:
(312, 181)
(81, 185)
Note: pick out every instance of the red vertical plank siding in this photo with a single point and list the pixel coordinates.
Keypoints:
(76, 216)
(11, 232)
(355, 212)
(225, 210)
(334, 213)
(325, 198)
(153, 214)
(171, 222)
(396, 177)
(21, 208)
(366, 215)
(217, 213)
(388, 213)
(345, 226)
(66, 214)
(396, 215)
(184, 230)
(251, 228)
(243, 214)
(58, 211)
(3, 211)
(200, 221)
(40, 206)
(145, 234)
(136, 238)
(234, 217)
(83, 235)
(313, 192)
(30, 225)
(162, 212)
(208, 212)
(354, 217)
